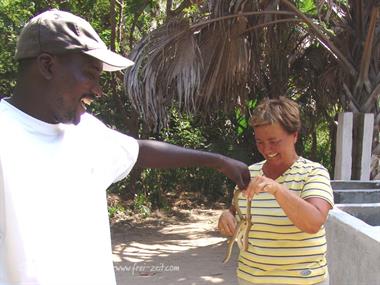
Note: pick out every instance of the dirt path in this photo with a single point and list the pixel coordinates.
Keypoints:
(185, 249)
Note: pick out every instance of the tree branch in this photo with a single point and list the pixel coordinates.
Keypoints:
(178, 10)
(366, 56)
(223, 18)
(372, 98)
(269, 23)
(352, 102)
(113, 24)
(321, 37)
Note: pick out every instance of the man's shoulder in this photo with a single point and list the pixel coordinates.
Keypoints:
(4, 109)
(89, 119)
(90, 124)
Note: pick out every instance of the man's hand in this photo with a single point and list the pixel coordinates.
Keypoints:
(227, 223)
(236, 170)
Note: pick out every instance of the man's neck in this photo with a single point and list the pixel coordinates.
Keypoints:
(25, 100)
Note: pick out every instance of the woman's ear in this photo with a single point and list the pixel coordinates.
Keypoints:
(295, 137)
(45, 63)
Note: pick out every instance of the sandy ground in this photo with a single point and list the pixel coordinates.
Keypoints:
(184, 249)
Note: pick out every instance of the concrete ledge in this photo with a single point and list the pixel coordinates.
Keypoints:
(352, 191)
(357, 196)
(355, 184)
(353, 250)
(368, 213)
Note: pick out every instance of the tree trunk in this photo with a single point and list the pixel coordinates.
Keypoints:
(314, 144)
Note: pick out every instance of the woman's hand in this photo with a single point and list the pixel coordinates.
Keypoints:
(227, 223)
(261, 184)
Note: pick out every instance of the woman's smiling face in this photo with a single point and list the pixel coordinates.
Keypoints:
(275, 144)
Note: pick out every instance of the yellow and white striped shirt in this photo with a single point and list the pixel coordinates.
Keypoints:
(278, 251)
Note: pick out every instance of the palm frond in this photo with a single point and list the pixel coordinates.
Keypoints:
(167, 69)
(226, 62)
(241, 49)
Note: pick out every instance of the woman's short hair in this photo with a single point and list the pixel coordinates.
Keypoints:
(279, 110)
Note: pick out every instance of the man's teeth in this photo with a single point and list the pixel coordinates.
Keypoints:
(86, 101)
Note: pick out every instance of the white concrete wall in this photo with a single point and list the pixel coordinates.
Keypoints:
(344, 140)
(343, 153)
(353, 250)
(368, 122)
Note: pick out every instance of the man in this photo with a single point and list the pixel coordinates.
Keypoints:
(56, 160)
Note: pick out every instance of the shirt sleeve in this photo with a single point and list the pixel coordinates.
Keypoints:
(115, 152)
(124, 154)
(317, 185)
(2, 203)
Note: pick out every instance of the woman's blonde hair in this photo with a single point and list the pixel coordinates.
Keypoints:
(279, 110)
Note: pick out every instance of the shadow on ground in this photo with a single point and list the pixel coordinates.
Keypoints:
(187, 250)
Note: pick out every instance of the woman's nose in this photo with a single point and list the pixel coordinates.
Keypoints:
(266, 148)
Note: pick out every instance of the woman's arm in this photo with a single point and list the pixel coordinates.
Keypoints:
(307, 214)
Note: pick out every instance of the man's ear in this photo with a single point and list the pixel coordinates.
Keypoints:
(45, 64)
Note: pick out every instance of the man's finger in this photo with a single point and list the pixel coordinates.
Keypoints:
(246, 179)
(241, 184)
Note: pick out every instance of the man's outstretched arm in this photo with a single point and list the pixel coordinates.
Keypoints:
(156, 154)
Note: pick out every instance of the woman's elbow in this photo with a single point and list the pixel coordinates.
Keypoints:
(314, 227)
(312, 230)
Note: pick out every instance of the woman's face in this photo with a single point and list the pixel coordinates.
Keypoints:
(276, 144)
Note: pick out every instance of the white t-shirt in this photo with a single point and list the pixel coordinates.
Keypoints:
(54, 227)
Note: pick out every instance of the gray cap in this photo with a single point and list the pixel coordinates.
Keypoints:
(59, 32)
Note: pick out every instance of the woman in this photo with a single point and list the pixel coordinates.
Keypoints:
(291, 198)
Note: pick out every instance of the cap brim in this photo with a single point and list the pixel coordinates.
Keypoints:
(111, 61)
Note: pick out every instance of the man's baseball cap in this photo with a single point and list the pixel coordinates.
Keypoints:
(59, 32)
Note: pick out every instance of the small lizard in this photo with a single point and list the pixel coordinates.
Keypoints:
(242, 229)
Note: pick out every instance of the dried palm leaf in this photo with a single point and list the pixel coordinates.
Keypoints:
(167, 69)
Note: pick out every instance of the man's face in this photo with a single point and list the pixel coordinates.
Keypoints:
(75, 84)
